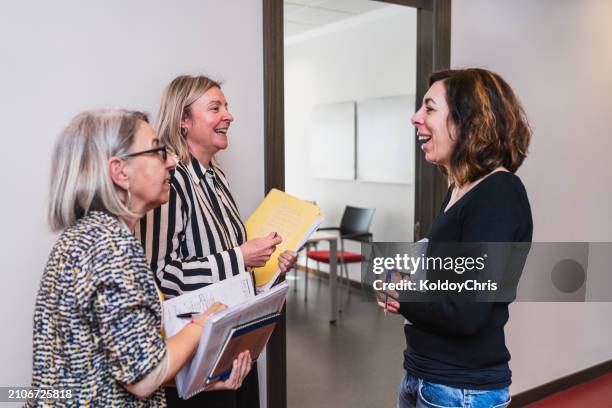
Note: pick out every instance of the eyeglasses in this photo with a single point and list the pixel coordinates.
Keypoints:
(161, 151)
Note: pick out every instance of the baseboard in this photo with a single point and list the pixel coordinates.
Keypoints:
(561, 384)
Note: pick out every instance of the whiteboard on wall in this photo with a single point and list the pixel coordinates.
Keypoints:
(385, 140)
(332, 141)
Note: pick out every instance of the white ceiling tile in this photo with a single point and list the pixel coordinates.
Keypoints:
(317, 17)
(295, 28)
(290, 9)
(353, 6)
(316, 13)
(302, 2)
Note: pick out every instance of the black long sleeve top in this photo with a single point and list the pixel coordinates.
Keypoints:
(462, 344)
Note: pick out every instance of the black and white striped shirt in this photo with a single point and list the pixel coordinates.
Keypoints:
(192, 241)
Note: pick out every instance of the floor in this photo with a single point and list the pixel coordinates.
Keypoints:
(355, 363)
(593, 394)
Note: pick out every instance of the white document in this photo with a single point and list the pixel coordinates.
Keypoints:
(192, 378)
(231, 291)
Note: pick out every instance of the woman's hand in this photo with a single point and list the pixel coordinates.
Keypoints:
(216, 307)
(241, 367)
(183, 345)
(287, 260)
(257, 251)
(392, 306)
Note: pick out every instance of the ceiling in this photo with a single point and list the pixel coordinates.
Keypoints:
(304, 15)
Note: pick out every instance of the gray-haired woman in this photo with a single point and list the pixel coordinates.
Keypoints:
(97, 319)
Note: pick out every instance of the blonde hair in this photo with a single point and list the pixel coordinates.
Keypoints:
(80, 181)
(175, 104)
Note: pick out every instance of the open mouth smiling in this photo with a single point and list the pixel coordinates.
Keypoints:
(221, 131)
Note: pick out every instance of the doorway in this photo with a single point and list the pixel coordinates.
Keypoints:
(432, 51)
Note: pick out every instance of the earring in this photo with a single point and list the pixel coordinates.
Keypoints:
(183, 132)
(129, 198)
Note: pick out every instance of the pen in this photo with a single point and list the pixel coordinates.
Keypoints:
(187, 315)
(387, 278)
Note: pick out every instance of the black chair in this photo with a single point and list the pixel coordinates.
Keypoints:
(355, 225)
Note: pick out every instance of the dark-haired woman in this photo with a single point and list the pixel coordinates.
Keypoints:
(474, 129)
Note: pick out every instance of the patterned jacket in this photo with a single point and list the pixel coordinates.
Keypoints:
(97, 318)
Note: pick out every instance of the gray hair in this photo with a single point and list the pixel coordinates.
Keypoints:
(80, 181)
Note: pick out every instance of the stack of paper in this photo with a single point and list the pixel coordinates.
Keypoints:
(244, 308)
(293, 219)
(231, 291)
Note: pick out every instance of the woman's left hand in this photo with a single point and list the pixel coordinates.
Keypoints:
(287, 260)
(392, 306)
(240, 369)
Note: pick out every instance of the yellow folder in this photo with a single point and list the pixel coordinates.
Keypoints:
(293, 219)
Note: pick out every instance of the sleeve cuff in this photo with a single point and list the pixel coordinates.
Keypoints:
(240, 259)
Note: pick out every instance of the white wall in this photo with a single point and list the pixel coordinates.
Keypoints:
(369, 56)
(556, 55)
(58, 58)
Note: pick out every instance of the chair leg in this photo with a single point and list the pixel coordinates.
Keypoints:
(345, 267)
(346, 276)
(306, 279)
(338, 291)
(295, 277)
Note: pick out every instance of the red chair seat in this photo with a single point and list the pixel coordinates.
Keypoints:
(343, 256)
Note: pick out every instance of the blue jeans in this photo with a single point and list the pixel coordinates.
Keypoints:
(417, 393)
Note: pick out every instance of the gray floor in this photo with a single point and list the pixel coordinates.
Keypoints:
(355, 363)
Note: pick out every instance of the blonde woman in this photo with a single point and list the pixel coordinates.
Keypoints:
(97, 319)
(198, 238)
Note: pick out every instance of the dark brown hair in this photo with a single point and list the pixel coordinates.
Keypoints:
(491, 125)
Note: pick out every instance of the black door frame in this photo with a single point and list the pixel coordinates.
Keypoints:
(433, 53)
